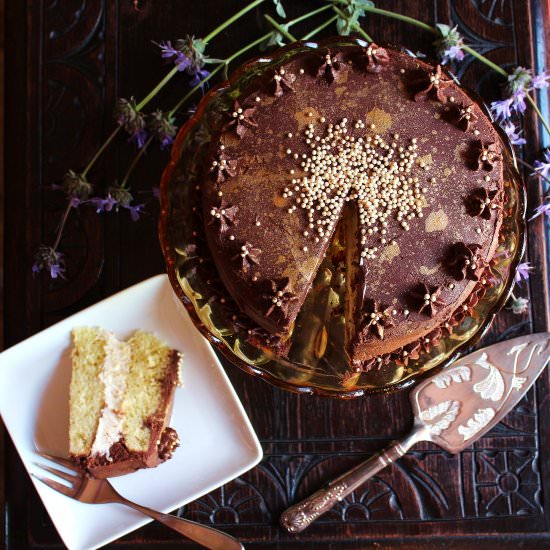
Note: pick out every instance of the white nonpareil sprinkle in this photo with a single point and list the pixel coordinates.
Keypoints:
(367, 170)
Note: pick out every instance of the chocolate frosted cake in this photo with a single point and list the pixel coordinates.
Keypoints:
(121, 399)
(368, 144)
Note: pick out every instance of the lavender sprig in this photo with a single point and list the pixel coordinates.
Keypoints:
(449, 44)
(50, 260)
(542, 210)
(523, 271)
(518, 305)
(542, 167)
(514, 135)
(129, 117)
(162, 127)
(118, 197)
(76, 187)
(189, 56)
(519, 84)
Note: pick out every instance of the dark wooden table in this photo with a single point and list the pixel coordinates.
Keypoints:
(66, 63)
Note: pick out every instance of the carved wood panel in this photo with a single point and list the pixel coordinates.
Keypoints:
(69, 61)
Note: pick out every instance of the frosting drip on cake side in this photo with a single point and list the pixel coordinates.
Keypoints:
(113, 376)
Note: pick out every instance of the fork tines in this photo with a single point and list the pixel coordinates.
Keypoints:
(74, 478)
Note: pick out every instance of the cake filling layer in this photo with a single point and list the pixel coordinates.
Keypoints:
(114, 378)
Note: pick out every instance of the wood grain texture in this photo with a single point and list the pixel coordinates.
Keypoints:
(67, 62)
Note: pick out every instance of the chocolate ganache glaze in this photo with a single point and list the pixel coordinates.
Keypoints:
(372, 140)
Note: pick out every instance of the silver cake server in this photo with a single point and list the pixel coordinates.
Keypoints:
(452, 409)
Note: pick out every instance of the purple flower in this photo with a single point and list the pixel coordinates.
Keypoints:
(132, 120)
(519, 305)
(516, 90)
(76, 187)
(104, 205)
(135, 211)
(502, 109)
(449, 44)
(523, 271)
(514, 135)
(541, 81)
(118, 197)
(518, 101)
(520, 79)
(540, 210)
(168, 51)
(188, 55)
(199, 75)
(48, 259)
(453, 52)
(162, 127)
(156, 192)
(139, 137)
(542, 168)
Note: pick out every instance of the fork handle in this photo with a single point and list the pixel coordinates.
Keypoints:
(299, 516)
(201, 534)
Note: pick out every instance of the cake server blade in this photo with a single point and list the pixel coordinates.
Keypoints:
(452, 409)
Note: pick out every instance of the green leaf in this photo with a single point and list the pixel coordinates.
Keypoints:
(212, 60)
(354, 9)
(279, 8)
(443, 29)
(341, 26)
(198, 44)
(275, 39)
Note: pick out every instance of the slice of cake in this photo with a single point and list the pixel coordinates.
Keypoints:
(121, 399)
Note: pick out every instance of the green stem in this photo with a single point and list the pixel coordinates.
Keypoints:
(533, 103)
(308, 15)
(135, 161)
(483, 59)
(319, 28)
(231, 20)
(400, 17)
(354, 26)
(157, 88)
(278, 27)
(62, 225)
(256, 42)
(100, 150)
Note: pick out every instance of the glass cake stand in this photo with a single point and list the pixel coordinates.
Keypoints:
(316, 362)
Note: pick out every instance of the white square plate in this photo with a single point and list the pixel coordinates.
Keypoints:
(218, 442)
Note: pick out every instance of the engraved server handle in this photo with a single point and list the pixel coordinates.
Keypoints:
(299, 516)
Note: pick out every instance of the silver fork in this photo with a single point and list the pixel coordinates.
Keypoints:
(99, 491)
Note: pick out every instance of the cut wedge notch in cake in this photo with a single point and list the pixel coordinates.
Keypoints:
(121, 398)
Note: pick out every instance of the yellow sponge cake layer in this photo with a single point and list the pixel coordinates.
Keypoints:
(144, 401)
(86, 392)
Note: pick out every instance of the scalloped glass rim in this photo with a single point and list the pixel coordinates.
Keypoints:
(301, 378)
